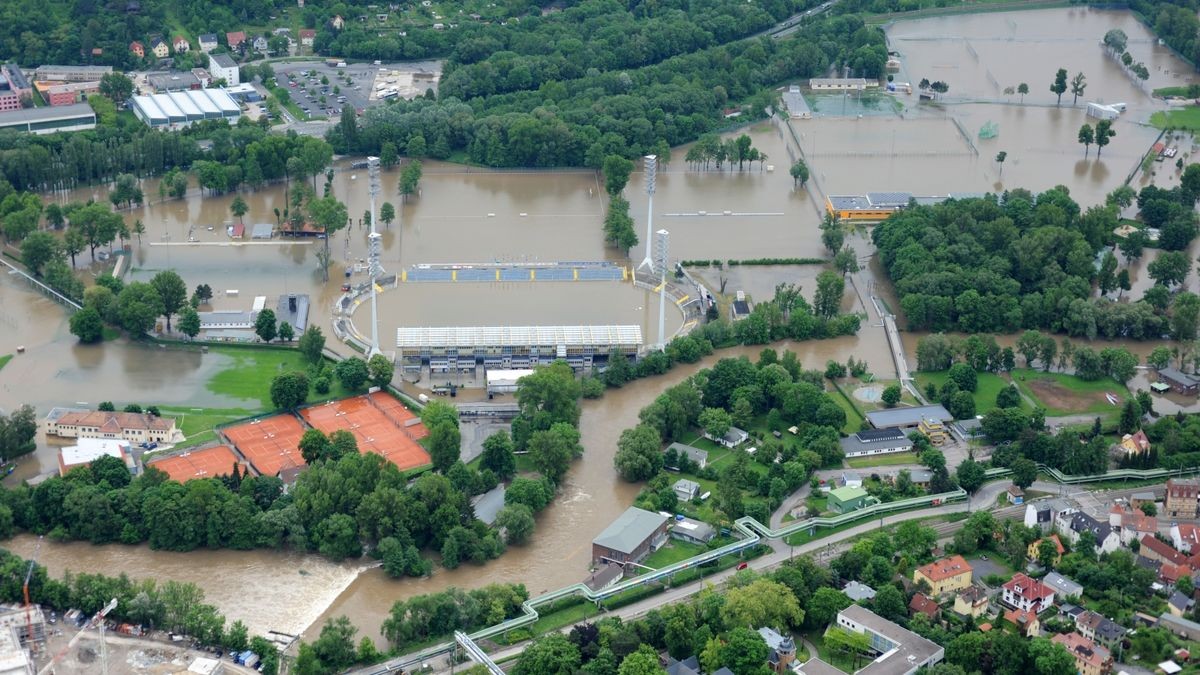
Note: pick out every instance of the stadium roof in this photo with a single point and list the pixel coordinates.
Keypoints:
(518, 336)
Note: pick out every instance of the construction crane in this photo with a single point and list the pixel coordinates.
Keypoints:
(98, 619)
(25, 590)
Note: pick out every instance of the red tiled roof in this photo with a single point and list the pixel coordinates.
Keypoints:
(1164, 550)
(939, 570)
(924, 604)
(1172, 573)
(115, 422)
(1028, 588)
(1083, 649)
(235, 38)
(1020, 617)
(1054, 538)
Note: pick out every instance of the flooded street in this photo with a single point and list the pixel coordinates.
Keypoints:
(466, 215)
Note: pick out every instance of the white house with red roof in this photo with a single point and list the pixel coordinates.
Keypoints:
(1026, 593)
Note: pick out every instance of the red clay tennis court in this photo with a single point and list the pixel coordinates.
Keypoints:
(206, 463)
(271, 443)
(379, 423)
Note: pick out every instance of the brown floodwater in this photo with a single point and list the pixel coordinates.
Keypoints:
(468, 215)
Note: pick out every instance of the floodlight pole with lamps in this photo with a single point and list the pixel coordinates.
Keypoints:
(660, 261)
(373, 251)
(651, 164)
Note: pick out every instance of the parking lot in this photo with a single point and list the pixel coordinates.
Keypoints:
(316, 86)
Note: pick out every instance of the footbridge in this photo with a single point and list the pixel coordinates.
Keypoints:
(751, 533)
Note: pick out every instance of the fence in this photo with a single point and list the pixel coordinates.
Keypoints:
(46, 290)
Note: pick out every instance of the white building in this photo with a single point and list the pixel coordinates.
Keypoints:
(223, 67)
(88, 450)
(179, 109)
(504, 380)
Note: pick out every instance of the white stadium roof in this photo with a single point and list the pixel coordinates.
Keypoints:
(518, 336)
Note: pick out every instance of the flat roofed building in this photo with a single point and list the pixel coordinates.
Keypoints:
(75, 117)
(512, 347)
(839, 84)
(630, 538)
(223, 67)
(899, 650)
(692, 531)
(907, 417)
(504, 381)
(797, 107)
(172, 81)
(71, 73)
(88, 450)
(876, 442)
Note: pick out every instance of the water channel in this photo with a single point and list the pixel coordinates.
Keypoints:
(470, 215)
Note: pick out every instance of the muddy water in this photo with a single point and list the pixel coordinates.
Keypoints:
(266, 590)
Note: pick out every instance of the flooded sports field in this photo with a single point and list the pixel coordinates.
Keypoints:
(466, 215)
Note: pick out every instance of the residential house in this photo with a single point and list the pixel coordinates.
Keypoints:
(919, 477)
(133, 427)
(851, 479)
(1090, 658)
(845, 500)
(1023, 592)
(1148, 564)
(138, 49)
(1039, 515)
(692, 531)
(236, 40)
(859, 592)
(337, 22)
(208, 42)
(732, 438)
(898, 650)
(1097, 628)
(1156, 549)
(923, 604)
(696, 455)
(1015, 495)
(1181, 498)
(223, 67)
(1138, 498)
(1131, 524)
(876, 442)
(1179, 604)
(159, 48)
(1135, 443)
(1063, 587)
(1026, 622)
(782, 650)
(1186, 537)
(630, 538)
(181, 45)
(1169, 574)
(686, 490)
(1034, 550)
(971, 601)
(307, 36)
(260, 45)
(1179, 381)
(1107, 540)
(944, 576)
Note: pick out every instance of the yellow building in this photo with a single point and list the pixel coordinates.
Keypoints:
(871, 207)
(972, 601)
(944, 576)
(160, 49)
(1032, 552)
(934, 429)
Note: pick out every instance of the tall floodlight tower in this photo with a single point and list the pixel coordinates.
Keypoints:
(660, 263)
(651, 175)
(373, 251)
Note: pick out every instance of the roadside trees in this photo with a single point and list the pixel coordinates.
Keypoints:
(1059, 86)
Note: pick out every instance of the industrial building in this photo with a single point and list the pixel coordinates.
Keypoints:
(76, 117)
(455, 349)
(172, 81)
(907, 417)
(876, 442)
(71, 73)
(66, 93)
(630, 538)
(182, 108)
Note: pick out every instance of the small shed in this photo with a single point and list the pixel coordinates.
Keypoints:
(262, 231)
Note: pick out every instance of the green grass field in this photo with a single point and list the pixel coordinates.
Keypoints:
(672, 553)
(882, 460)
(249, 376)
(989, 385)
(4, 360)
(1062, 394)
(1187, 119)
(198, 424)
(854, 416)
(1164, 92)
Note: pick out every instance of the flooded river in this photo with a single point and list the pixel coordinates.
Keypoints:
(468, 215)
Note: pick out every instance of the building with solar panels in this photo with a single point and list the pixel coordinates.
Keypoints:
(466, 349)
(179, 109)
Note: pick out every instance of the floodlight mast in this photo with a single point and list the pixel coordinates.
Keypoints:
(651, 164)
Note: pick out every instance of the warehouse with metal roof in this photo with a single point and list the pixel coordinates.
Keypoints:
(181, 108)
(49, 120)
